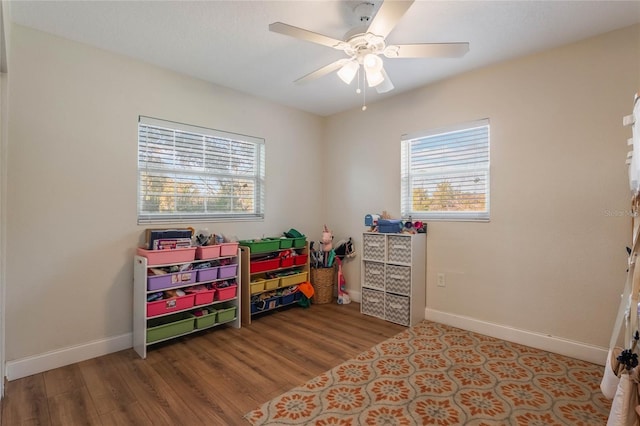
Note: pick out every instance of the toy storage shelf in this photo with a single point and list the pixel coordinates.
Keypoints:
(151, 326)
(393, 277)
(253, 267)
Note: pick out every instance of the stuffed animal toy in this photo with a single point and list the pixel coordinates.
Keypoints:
(327, 247)
(327, 239)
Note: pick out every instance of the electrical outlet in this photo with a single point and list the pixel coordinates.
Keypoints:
(441, 282)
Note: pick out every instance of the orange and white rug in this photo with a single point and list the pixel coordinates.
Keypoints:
(433, 374)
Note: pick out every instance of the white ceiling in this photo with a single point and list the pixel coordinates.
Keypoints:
(228, 42)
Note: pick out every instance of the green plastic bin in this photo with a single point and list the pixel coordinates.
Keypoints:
(226, 314)
(262, 246)
(299, 242)
(206, 321)
(286, 243)
(169, 326)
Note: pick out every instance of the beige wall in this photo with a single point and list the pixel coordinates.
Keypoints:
(72, 181)
(550, 260)
(4, 114)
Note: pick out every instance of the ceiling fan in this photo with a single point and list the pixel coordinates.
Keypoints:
(363, 46)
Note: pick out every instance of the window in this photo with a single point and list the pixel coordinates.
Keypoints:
(188, 173)
(445, 173)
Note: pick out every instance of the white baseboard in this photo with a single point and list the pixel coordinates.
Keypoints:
(355, 295)
(558, 345)
(59, 358)
(24, 367)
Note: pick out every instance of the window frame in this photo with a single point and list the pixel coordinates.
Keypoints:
(257, 161)
(407, 175)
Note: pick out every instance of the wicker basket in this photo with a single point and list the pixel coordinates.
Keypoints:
(323, 280)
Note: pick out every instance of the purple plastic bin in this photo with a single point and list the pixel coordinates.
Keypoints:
(227, 271)
(159, 282)
(208, 274)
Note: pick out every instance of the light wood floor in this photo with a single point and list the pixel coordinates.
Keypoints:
(211, 378)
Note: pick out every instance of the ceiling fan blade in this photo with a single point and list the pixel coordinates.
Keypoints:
(388, 16)
(322, 71)
(427, 50)
(290, 30)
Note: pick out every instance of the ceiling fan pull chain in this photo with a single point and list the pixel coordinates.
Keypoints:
(364, 95)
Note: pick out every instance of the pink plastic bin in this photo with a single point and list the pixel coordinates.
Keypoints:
(208, 274)
(165, 306)
(204, 297)
(228, 249)
(159, 282)
(207, 252)
(227, 271)
(164, 257)
(226, 293)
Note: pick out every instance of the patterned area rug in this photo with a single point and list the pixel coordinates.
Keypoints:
(432, 374)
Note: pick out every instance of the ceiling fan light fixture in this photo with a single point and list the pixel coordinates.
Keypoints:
(374, 77)
(386, 84)
(373, 69)
(372, 63)
(348, 71)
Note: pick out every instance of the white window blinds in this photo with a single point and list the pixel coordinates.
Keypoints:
(445, 173)
(188, 173)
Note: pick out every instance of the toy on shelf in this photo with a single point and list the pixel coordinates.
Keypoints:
(385, 224)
